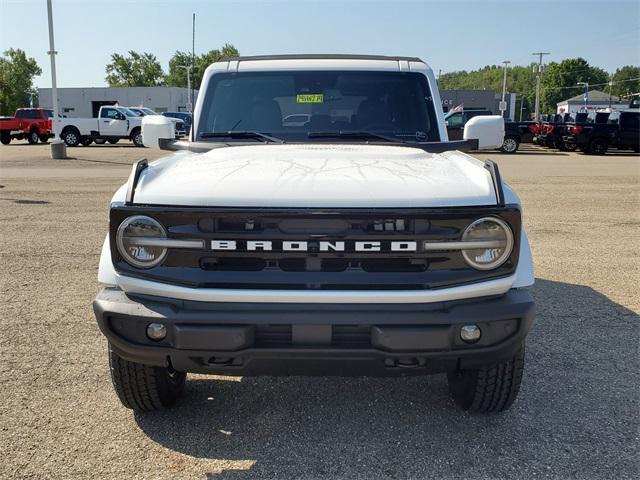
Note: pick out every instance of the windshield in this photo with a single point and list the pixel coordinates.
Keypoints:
(298, 105)
(148, 111)
(128, 113)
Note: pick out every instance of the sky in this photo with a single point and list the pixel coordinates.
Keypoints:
(449, 35)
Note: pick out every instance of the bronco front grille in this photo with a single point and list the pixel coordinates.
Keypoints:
(318, 267)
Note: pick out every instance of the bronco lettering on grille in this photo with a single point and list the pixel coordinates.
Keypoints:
(323, 246)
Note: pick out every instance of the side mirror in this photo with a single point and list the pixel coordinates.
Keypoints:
(155, 128)
(488, 129)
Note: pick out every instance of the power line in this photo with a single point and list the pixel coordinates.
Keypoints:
(594, 84)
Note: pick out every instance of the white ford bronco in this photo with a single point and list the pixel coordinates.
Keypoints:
(355, 240)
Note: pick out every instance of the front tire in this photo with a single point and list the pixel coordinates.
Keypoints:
(136, 138)
(510, 145)
(598, 146)
(86, 141)
(33, 137)
(144, 388)
(71, 137)
(5, 137)
(489, 389)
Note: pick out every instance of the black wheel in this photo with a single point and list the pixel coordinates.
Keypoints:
(86, 141)
(113, 141)
(144, 388)
(489, 389)
(5, 137)
(136, 137)
(100, 141)
(71, 137)
(598, 146)
(510, 145)
(33, 137)
(44, 138)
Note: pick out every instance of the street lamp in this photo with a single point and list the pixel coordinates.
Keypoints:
(503, 103)
(188, 68)
(58, 147)
(586, 94)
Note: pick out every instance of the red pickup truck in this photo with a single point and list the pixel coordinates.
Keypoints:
(31, 123)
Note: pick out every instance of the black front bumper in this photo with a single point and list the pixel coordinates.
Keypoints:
(314, 339)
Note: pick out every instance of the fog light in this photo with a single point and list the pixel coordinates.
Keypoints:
(156, 331)
(470, 333)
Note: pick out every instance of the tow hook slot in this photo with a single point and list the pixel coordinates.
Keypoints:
(405, 362)
(222, 361)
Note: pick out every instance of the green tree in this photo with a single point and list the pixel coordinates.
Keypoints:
(16, 80)
(560, 81)
(177, 76)
(626, 81)
(134, 70)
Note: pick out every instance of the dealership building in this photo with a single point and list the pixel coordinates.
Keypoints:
(85, 102)
(478, 99)
(596, 100)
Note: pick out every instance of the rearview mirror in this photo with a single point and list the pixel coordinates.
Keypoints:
(155, 128)
(487, 129)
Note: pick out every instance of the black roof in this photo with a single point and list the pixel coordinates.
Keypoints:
(320, 56)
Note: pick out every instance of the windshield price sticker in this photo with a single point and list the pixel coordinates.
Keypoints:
(310, 98)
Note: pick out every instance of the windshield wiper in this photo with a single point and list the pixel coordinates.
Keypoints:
(355, 135)
(242, 134)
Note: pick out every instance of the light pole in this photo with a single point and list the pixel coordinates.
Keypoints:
(188, 68)
(58, 147)
(586, 94)
(538, 70)
(503, 103)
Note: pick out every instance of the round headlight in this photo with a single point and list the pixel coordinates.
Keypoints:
(494, 240)
(137, 241)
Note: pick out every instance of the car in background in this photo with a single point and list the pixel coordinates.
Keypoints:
(113, 123)
(516, 133)
(32, 124)
(179, 124)
(186, 117)
(456, 121)
(620, 131)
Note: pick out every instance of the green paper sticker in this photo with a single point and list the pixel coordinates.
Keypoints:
(310, 98)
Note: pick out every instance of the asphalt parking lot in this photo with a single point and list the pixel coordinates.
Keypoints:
(576, 416)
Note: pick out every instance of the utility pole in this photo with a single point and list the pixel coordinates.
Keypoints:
(503, 103)
(193, 56)
(586, 95)
(538, 71)
(188, 68)
(58, 147)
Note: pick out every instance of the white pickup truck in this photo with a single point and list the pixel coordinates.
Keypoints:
(355, 240)
(113, 123)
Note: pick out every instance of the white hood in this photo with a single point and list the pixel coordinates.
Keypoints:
(318, 175)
